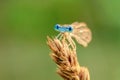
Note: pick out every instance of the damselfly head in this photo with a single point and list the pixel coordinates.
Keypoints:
(63, 28)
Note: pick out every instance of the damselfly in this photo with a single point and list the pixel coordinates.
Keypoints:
(77, 30)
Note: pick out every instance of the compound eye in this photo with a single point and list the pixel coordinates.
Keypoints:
(57, 26)
(70, 29)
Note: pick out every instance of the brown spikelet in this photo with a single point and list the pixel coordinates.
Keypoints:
(66, 60)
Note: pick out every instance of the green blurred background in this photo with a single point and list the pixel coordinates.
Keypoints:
(24, 25)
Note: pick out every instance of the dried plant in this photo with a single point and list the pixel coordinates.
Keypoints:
(66, 60)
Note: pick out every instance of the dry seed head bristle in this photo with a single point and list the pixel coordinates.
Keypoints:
(66, 60)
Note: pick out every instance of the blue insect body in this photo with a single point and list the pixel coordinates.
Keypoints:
(63, 28)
